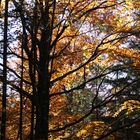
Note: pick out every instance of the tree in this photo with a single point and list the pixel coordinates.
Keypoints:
(60, 48)
(3, 121)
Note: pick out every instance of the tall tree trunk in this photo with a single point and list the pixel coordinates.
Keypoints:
(3, 122)
(42, 95)
(21, 100)
(34, 58)
(21, 86)
(42, 113)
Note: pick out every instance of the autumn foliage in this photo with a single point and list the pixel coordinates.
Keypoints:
(72, 69)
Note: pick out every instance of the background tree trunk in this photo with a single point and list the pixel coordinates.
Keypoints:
(3, 122)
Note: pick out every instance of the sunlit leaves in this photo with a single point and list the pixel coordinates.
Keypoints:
(2, 2)
(93, 130)
(132, 107)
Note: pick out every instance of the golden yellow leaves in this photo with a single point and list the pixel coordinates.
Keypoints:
(130, 105)
(137, 4)
(93, 130)
(2, 3)
(65, 135)
(111, 2)
(120, 19)
(124, 53)
(133, 4)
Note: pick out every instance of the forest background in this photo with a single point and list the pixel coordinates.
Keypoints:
(69, 69)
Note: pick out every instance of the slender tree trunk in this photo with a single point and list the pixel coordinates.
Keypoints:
(21, 98)
(34, 58)
(3, 122)
(21, 86)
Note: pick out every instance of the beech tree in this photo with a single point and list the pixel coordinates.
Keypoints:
(60, 51)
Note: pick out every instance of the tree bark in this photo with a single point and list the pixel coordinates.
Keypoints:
(42, 113)
(42, 95)
(3, 121)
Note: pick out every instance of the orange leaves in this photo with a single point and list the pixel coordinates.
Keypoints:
(122, 53)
